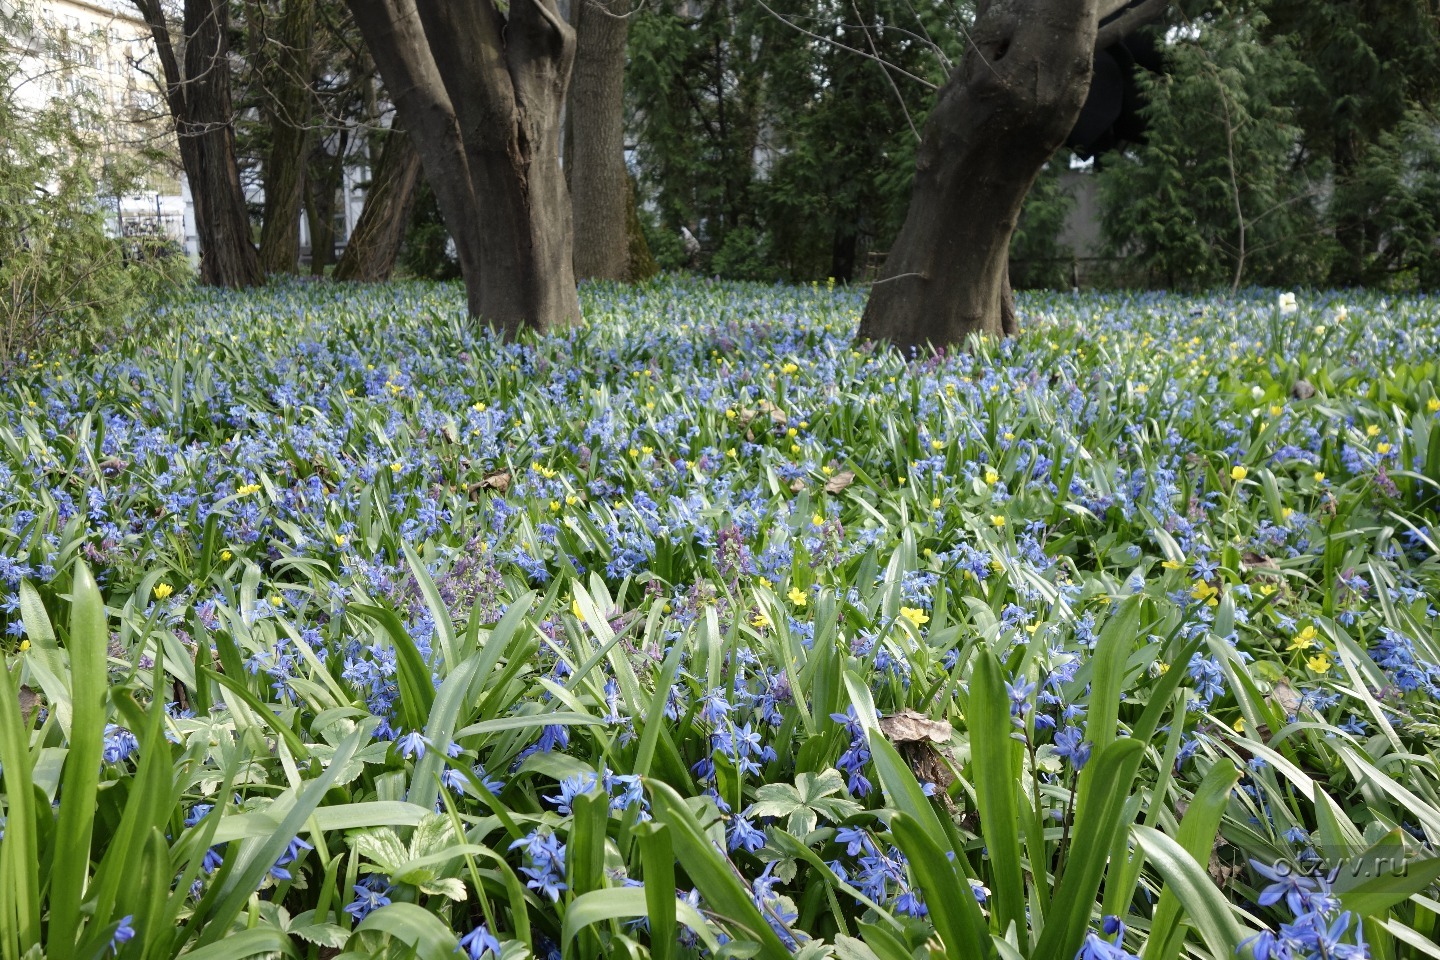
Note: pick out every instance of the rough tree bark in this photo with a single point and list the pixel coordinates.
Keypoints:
(324, 175)
(198, 95)
(374, 245)
(481, 91)
(1000, 116)
(285, 60)
(595, 140)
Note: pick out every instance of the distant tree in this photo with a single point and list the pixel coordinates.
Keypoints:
(697, 79)
(65, 280)
(1220, 192)
(195, 59)
(282, 49)
(374, 245)
(1371, 69)
(601, 192)
(480, 88)
(1004, 111)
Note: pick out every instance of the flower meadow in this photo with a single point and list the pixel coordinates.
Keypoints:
(334, 627)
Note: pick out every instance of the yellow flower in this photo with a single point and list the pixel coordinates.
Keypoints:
(1162, 668)
(277, 601)
(226, 555)
(1372, 431)
(1304, 640)
(792, 432)
(1382, 448)
(24, 645)
(396, 467)
(1319, 477)
(571, 499)
(248, 489)
(935, 503)
(554, 506)
(1205, 592)
(1276, 409)
(1239, 725)
(1320, 663)
(731, 414)
(937, 444)
(766, 583)
(817, 520)
(1172, 564)
(1266, 589)
(797, 596)
(789, 368)
(730, 453)
(991, 477)
(1433, 404)
(163, 590)
(759, 621)
(997, 520)
(915, 615)
(1238, 473)
(339, 539)
(1286, 512)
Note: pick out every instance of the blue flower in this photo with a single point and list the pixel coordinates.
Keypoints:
(478, 942)
(124, 933)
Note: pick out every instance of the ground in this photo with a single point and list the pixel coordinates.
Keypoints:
(701, 569)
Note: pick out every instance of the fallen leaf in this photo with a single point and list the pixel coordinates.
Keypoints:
(840, 481)
(498, 480)
(909, 726)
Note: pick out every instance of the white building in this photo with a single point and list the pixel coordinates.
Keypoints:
(97, 55)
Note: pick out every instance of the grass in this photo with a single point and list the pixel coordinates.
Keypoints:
(336, 629)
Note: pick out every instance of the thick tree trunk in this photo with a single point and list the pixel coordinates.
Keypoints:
(480, 91)
(322, 179)
(287, 80)
(1001, 115)
(199, 99)
(595, 160)
(374, 246)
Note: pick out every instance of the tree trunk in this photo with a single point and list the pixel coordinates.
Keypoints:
(325, 173)
(480, 91)
(199, 99)
(374, 246)
(1000, 116)
(595, 160)
(286, 74)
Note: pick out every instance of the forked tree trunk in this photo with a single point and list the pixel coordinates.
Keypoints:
(1000, 116)
(595, 154)
(374, 245)
(286, 73)
(199, 100)
(480, 91)
(323, 177)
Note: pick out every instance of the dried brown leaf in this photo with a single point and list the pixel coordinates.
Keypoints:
(909, 726)
(840, 481)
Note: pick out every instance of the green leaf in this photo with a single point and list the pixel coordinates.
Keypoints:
(1102, 791)
(1197, 835)
(952, 905)
(429, 936)
(417, 693)
(19, 848)
(723, 891)
(87, 647)
(657, 858)
(1211, 916)
(597, 906)
(996, 777)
